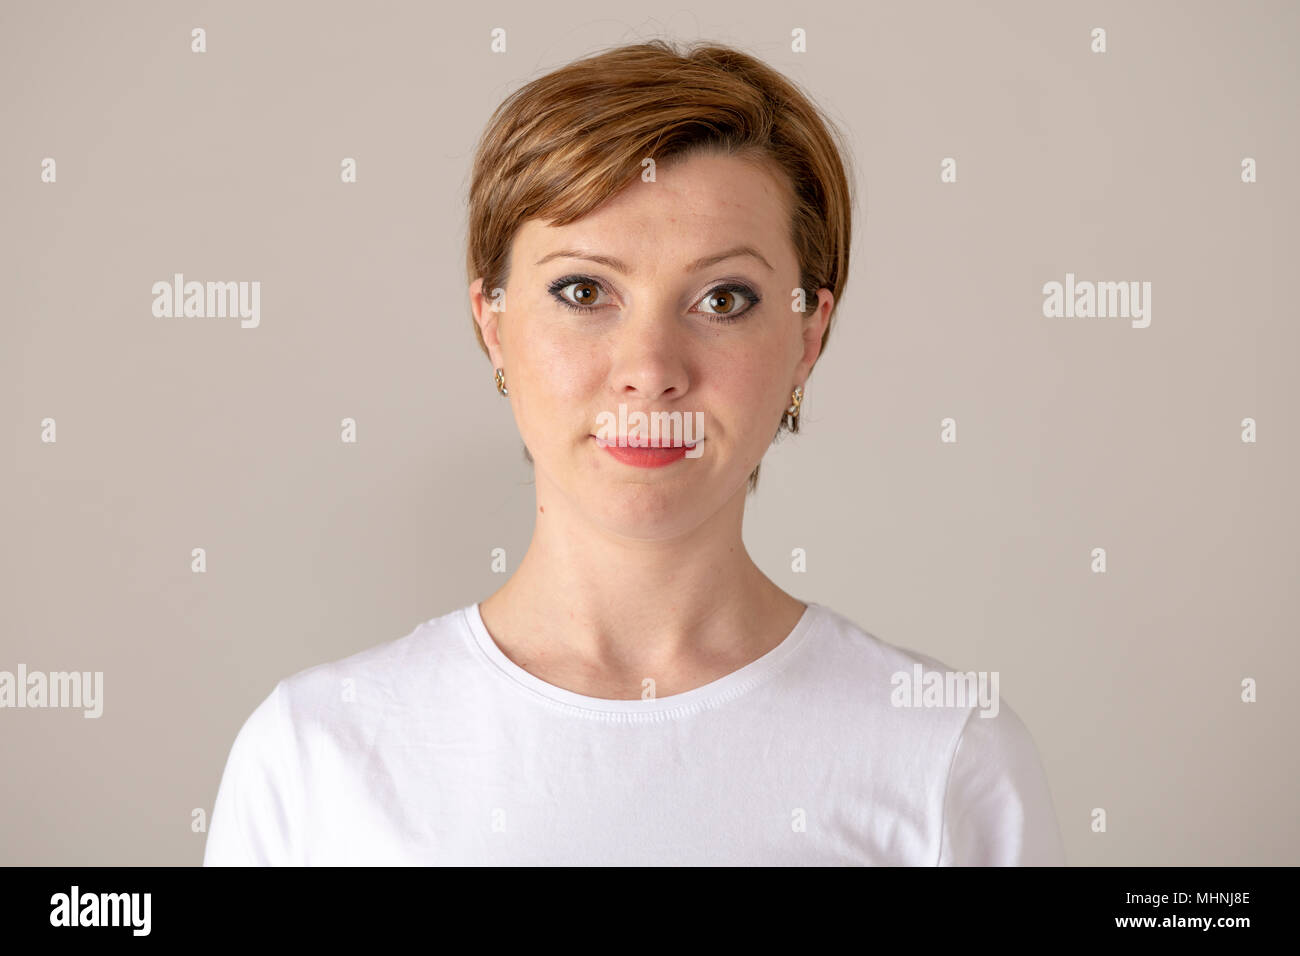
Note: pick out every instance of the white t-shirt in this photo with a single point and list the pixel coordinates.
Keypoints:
(437, 749)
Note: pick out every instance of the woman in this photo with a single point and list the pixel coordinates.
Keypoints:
(657, 242)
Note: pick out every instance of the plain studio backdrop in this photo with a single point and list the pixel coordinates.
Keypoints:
(1073, 434)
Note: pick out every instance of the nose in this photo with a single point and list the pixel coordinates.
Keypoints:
(649, 357)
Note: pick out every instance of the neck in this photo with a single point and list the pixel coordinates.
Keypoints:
(618, 602)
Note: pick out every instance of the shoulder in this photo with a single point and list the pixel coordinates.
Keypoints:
(911, 681)
(849, 644)
(914, 687)
(998, 809)
(907, 708)
(306, 727)
(997, 806)
(361, 685)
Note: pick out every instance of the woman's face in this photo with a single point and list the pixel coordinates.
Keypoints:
(627, 307)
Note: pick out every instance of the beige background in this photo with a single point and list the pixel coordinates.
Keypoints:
(1073, 433)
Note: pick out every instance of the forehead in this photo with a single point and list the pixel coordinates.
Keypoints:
(694, 207)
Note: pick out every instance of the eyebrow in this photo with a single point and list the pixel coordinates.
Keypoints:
(702, 263)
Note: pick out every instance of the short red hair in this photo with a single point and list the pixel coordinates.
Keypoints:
(560, 146)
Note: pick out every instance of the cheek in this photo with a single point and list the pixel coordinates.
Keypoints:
(746, 380)
(555, 372)
(563, 371)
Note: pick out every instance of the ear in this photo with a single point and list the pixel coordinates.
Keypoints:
(487, 316)
(814, 327)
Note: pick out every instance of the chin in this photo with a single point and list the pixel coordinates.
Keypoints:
(645, 510)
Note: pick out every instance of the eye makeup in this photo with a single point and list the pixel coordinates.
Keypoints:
(730, 287)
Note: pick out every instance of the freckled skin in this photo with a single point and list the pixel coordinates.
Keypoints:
(620, 539)
(641, 344)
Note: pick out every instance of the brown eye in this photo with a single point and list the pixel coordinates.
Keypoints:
(722, 302)
(728, 303)
(585, 293)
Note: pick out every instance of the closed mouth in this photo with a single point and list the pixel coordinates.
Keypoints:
(637, 442)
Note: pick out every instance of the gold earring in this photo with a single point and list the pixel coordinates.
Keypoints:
(501, 382)
(792, 413)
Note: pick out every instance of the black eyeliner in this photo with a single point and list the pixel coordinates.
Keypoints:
(733, 286)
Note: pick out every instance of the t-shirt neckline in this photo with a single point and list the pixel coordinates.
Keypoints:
(698, 698)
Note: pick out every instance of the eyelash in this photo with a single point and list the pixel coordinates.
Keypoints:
(726, 319)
